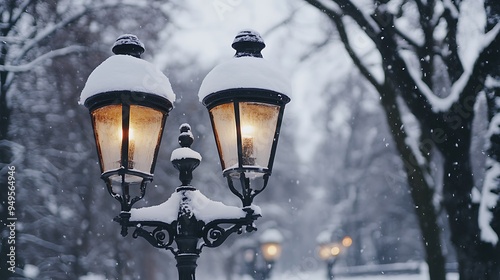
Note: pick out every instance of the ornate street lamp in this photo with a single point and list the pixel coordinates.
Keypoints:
(330, 246)
(260, 255)
(246, 98)
(270, 245)
(328, 252)
(129, 101)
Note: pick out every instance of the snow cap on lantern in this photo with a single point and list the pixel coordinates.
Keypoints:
(245, 98)
(129, 100)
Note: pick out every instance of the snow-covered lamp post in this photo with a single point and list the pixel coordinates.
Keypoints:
(129, 101)
(260, 255)
(270, 246)
(329, 250)
(246, 97)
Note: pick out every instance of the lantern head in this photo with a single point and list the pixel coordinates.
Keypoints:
(129, 101)
(246, 98)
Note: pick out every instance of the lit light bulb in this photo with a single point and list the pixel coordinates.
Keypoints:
(131, 146)
(347, 241)
(272, 250)
(247, 143)
(324, 252)
(335, 251)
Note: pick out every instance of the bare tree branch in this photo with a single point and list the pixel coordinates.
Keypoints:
(337, 19)
(29, 66)
(20, 11)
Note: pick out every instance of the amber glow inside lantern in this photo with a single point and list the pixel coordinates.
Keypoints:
(129, 100)
(128, 134)
(246, 98)
(246, 134)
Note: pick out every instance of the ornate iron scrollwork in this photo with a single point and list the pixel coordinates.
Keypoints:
(162, 236)
(214, 234)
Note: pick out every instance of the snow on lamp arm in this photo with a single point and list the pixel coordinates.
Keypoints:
(129, 101)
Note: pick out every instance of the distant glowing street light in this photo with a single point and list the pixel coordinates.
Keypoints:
(260, 258)
(329, 249)
(347, 241)
(129, 101)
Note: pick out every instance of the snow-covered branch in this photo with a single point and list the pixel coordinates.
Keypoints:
(12, 40)
(42, 243)
(409, 40)
(50, 29)
(21, 9)
(452, 8)
(489, 198)
(337, 18)
(44, 33)
(28, 66)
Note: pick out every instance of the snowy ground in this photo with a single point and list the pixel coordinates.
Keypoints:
(320, 275)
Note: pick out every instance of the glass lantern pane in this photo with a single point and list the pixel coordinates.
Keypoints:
(258, 126)
(144, 137)
(145, 128)
(108, 134)
(224, 125)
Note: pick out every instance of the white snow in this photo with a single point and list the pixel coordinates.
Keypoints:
(31, 271)
(321, 274)
(244, 72)
(201, 207)
(488, 201)
(92, 276)
(271, 235)
(471, 40)
(324, 237)
(475, 195)
(165, 212)
(470, 37)
(124, 72)
(181, 153)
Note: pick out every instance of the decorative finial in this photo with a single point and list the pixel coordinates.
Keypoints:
(248, 43)
(184, 159)
(128, 44)
(186, 137)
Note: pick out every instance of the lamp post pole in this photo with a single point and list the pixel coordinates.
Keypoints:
(129, 101)
(330, 247)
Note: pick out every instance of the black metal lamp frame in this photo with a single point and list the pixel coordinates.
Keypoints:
(235, 96)
(186, 235)
(187, 231)
(126, 99)
(260, 272)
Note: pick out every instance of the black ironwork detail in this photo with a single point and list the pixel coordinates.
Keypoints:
(247, 193)
(214, 234)
(128, 44)
(185, 165)
(124, 198)
(161, 237)
(248, 43)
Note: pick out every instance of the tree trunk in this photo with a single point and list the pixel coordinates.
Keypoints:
(421, 192)
(476, 258)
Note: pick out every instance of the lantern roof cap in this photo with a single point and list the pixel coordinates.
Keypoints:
(127, 73)
(246, 70)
